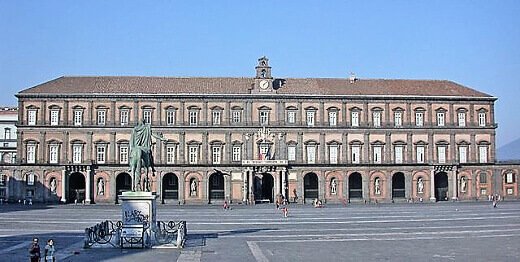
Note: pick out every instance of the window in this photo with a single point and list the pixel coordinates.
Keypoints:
(441, 154)
(53, 154)
(216, 154)
(3, 180)
(101, 117)
(419, 118)
(463, 154)
(333, 118)
(420, 154)
(310, 118)
(311, 154)
(124, 116)
(55, 117)
(356, 154)
(237, 116)
(461, 119)
(264, 118)
(376, 118)
(237, 153)
(170, 154)
(377, 154)
(398, 157)
(7, 133)
(333, 154)
(510, 178)
(398, 119)
(440, 118)
(194, 117)
(216, 117)
(170, 117)
(483, 154)
(291, 117)
(147, 116)
(193, 154)
(483, 178)
(31, 153)
(78, 117)
(31, 117)
(101, 154)
(77, 154)
(354, 118)
(291, 153)
(481, 119)
(123, 154)
(30, 179)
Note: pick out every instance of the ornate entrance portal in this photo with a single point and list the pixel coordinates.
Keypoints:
(264, 187)
(76, 187)
(441, 186)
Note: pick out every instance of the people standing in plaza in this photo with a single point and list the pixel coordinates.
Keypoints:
(49, 251)
(34, 251)
(295, 196)
(495, 199)
(285, 211)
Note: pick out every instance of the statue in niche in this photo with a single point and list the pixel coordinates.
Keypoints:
(53, 185)
(101, 187)
(420, 185)
(193, 187)
(333, 186)
(463, 184)
(377, 186)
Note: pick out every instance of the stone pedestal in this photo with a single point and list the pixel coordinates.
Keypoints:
(138, 207)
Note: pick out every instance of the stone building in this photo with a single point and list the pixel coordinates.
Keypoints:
(8, 119)
(249, 139)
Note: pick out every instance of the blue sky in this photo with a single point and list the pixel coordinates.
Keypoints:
(474, 43)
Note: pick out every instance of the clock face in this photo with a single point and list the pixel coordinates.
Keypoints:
(264, 84)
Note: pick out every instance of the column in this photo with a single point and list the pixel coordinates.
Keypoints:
(344, 113)
(408, 114)
(299, 149)
(432, 185)
(205, 121)
(251, 187)
(284, 183)
(42, 148)
(365, 182)
(182, 147)
(453, 149)
(65, 149)
(366, 148)
(344, 148)
(159, 113)
(136, 112)
(277, 188)
(182, 109)
(454, 183)
(472, 148)
(87, 185)
(452, 114)
(322, 146)
(365, 114)
(228, 154)
(321, 120)
(181, 190)
(409, 148)
(408, 185)
(227, 120)
(90, 113)
(471, 115)
(228, 193)
(388, 148)
(205, 147)
(112, 120)
(299, 115)
(88, 157)
(113, 156)
(428, 121)
(43, 117)
(388, 121)
(244, 187)
(431, 147)
(64, 186)
(65, 120)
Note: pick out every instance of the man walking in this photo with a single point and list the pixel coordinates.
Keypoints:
(34, 251)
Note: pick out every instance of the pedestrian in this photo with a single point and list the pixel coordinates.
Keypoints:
(34, 251)
(295, 196)
(285, 211)
(494, 202)
(226, 206)
(49, 251)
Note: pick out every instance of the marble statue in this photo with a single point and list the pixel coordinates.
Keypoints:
(420, 185)
(463, 184)
(333, 186)
(193, 187)
(377, 186)
(101, 187)
(53, 185)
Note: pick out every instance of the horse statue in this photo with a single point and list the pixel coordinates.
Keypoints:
(141, 155)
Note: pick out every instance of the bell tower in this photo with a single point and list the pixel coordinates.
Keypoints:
(263, 79)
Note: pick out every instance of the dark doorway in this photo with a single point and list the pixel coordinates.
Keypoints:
(441, 186)
(398, 185)
(264, 184)
(170, 187)
(123, 183)
(76, 188)
(216, 187)
(310, 187)
(355, 186)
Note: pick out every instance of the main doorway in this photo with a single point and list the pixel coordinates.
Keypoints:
(264, 183)
(170, 187)
(310, 187)
(355, 186)
(76, 188)
(398, 185)
(123, 183)
(216, 187)
(441, 186)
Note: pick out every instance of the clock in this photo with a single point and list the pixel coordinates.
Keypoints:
(264, 84)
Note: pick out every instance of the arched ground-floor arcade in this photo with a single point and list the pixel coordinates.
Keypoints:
(255, 184)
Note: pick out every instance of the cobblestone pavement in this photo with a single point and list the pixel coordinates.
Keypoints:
(385, 232)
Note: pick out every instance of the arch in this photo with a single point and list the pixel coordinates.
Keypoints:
(123, 183)
(441, 186)
(310, 186)
(398, 188)
(216, 187)
(76, 187)
(170, 187)
(355, 186)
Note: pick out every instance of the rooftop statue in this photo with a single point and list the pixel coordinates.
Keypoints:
(141, 155)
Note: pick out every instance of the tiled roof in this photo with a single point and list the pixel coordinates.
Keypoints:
(228, 85)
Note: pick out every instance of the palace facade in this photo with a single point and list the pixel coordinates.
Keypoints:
(247, 140)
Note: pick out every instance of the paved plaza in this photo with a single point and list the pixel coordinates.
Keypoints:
(386, 232)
